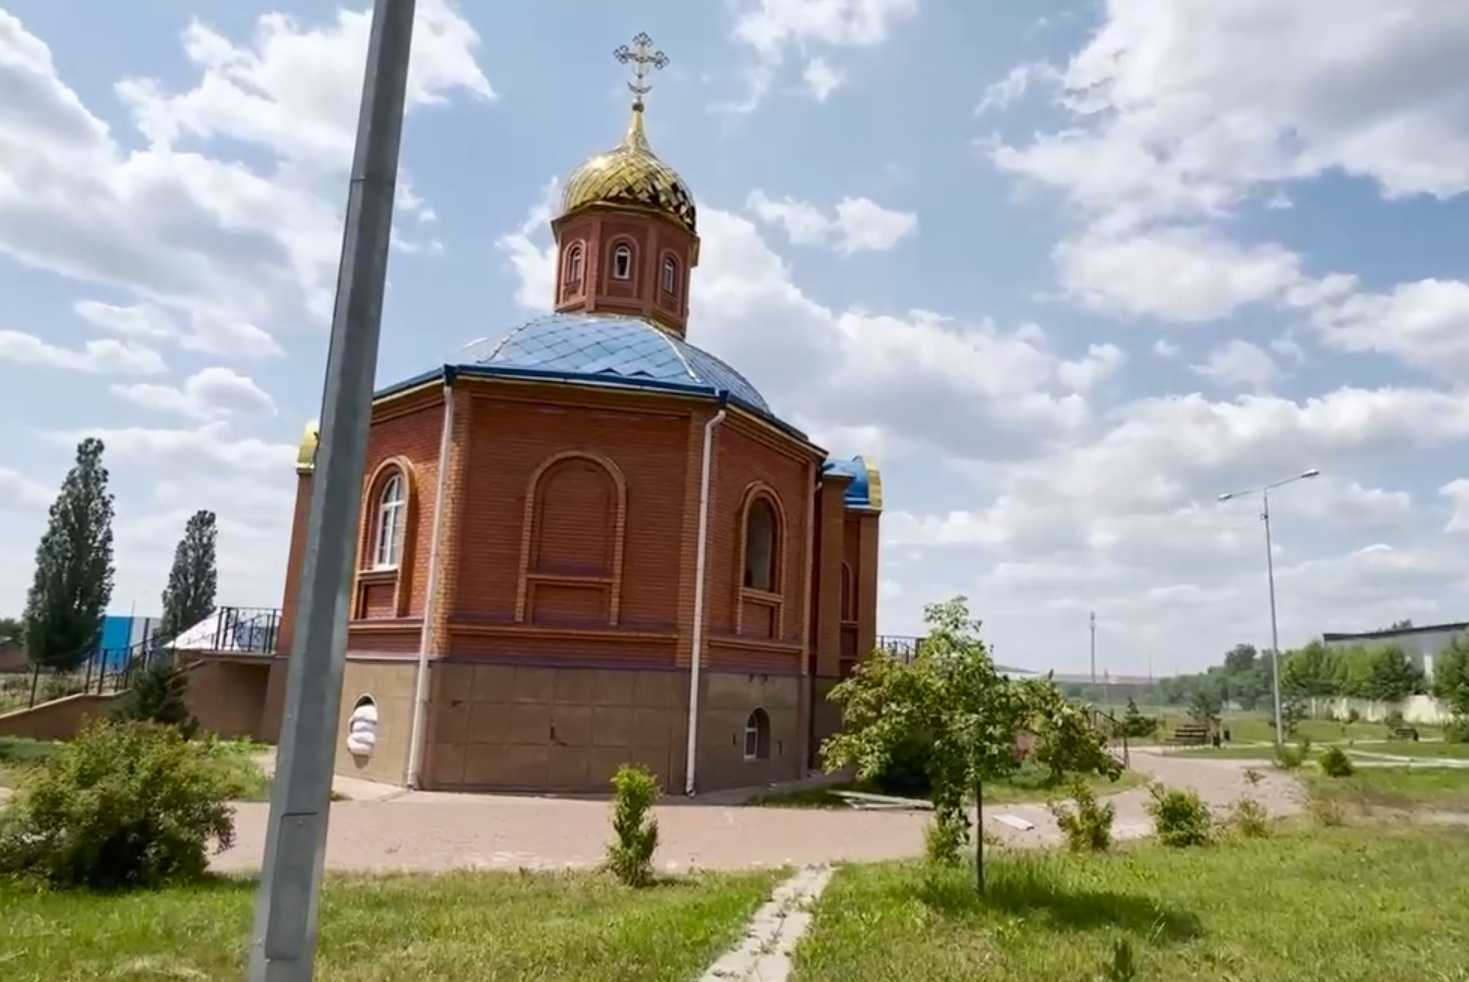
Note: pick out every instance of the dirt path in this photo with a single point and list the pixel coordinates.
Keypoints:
(436, 831)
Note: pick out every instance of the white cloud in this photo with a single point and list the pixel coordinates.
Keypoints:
(203, 332)
(1425, 323)
(1238, 363)
(772, 26)
(1174, 118)
(534, 264)
(104, 356)
(1101, 362)
(208, 446)
(1010, 89)
(18, 492)
(822, 79)
(233, 249)
(1180, 274)
(1164, 348)
(769, 24)
(1457, 492)
(208, 394)
(858, 224)
(1279, 201)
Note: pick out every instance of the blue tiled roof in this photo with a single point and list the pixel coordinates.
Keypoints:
(860, 493)
(611, 349)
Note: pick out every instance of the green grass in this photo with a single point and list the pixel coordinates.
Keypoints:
(459, 927)
(1030, 783)
(18, 753)
(235, 759)
(1410, 748)
(1440, 789)
(1331, 905)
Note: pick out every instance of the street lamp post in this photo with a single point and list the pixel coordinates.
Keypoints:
(1270, 576)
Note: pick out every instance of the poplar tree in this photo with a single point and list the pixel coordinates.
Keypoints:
(73, 578)
(189, 596)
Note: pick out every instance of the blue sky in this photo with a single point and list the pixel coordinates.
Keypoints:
(1068, 270)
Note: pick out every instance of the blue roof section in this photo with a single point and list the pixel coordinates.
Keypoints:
(611, 349)
(860, 493)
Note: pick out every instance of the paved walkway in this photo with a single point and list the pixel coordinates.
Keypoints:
(435, 830)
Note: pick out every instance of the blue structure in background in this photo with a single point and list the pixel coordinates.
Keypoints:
(122, 636)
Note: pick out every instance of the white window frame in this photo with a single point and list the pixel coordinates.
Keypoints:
(670, 274)
(392, 510)
(752, 735)
(618, 251)
(574, 264)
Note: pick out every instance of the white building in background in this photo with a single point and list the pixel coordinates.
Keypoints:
(1422, 644)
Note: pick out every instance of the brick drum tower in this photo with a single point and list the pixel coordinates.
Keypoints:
(594, 542)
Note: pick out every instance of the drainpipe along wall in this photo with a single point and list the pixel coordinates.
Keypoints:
(426, 638)
(699, 552)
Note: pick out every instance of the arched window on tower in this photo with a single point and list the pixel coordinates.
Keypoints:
(391, 515)
(760, 546)
(622, 262)
(574, 264)
(670, 275)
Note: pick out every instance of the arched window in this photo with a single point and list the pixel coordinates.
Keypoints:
(760, 546)
(571, 552)
(391, 514)
(670, 274)
(849, 598)
(622, 262)
(757, 736)
(574, 264)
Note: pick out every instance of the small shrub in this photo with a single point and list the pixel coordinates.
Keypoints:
(943, 838)
(122, 805)
(1249, 819)
(1180, 816)
(1393, 720)
(1353, 716)
(1288, 758)
(1253, 777)
(159, 695)
(1123, 965)
(1305, 746)
(634, 789)
(1088, 827)
(1456, 730)
(1327, 811)
(1336, 763)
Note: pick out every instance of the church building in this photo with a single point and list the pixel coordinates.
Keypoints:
(594, 542)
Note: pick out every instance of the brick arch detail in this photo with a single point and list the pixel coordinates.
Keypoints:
(366, 576)
(530, 523)
(754, 491)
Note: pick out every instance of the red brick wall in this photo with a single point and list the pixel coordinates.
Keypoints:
(598, 231)
(513, 435)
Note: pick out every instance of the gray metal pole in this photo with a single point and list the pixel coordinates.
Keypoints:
(1093, 623)
(1274, 631)
(283, 939)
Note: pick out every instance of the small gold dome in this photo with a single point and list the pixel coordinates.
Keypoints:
(630, 174)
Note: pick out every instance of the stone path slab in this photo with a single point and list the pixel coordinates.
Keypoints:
(764, 954)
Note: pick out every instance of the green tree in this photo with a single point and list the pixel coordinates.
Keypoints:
(1451, 675)
(11, 629)
(1135, 724)
(73, 578)
(1391, 675)
(1240, 659)
(1314, 670)
(1067, 742)
(951, 697)
(1203, 706)
(189, 596)
(160, 695)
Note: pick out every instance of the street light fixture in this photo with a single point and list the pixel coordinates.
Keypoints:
(1264, 493)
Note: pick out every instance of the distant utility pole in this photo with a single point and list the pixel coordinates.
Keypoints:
(283, 939)
(1094, 653)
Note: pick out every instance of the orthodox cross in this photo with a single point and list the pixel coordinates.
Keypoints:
(641, 55)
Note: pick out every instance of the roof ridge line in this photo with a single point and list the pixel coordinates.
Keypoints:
(689, 369)
(510, 334)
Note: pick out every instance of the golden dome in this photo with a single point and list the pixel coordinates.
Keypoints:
(630, 174)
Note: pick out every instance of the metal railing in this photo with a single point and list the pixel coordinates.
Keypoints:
(235, 630)
(904, 647)
(248, 630)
